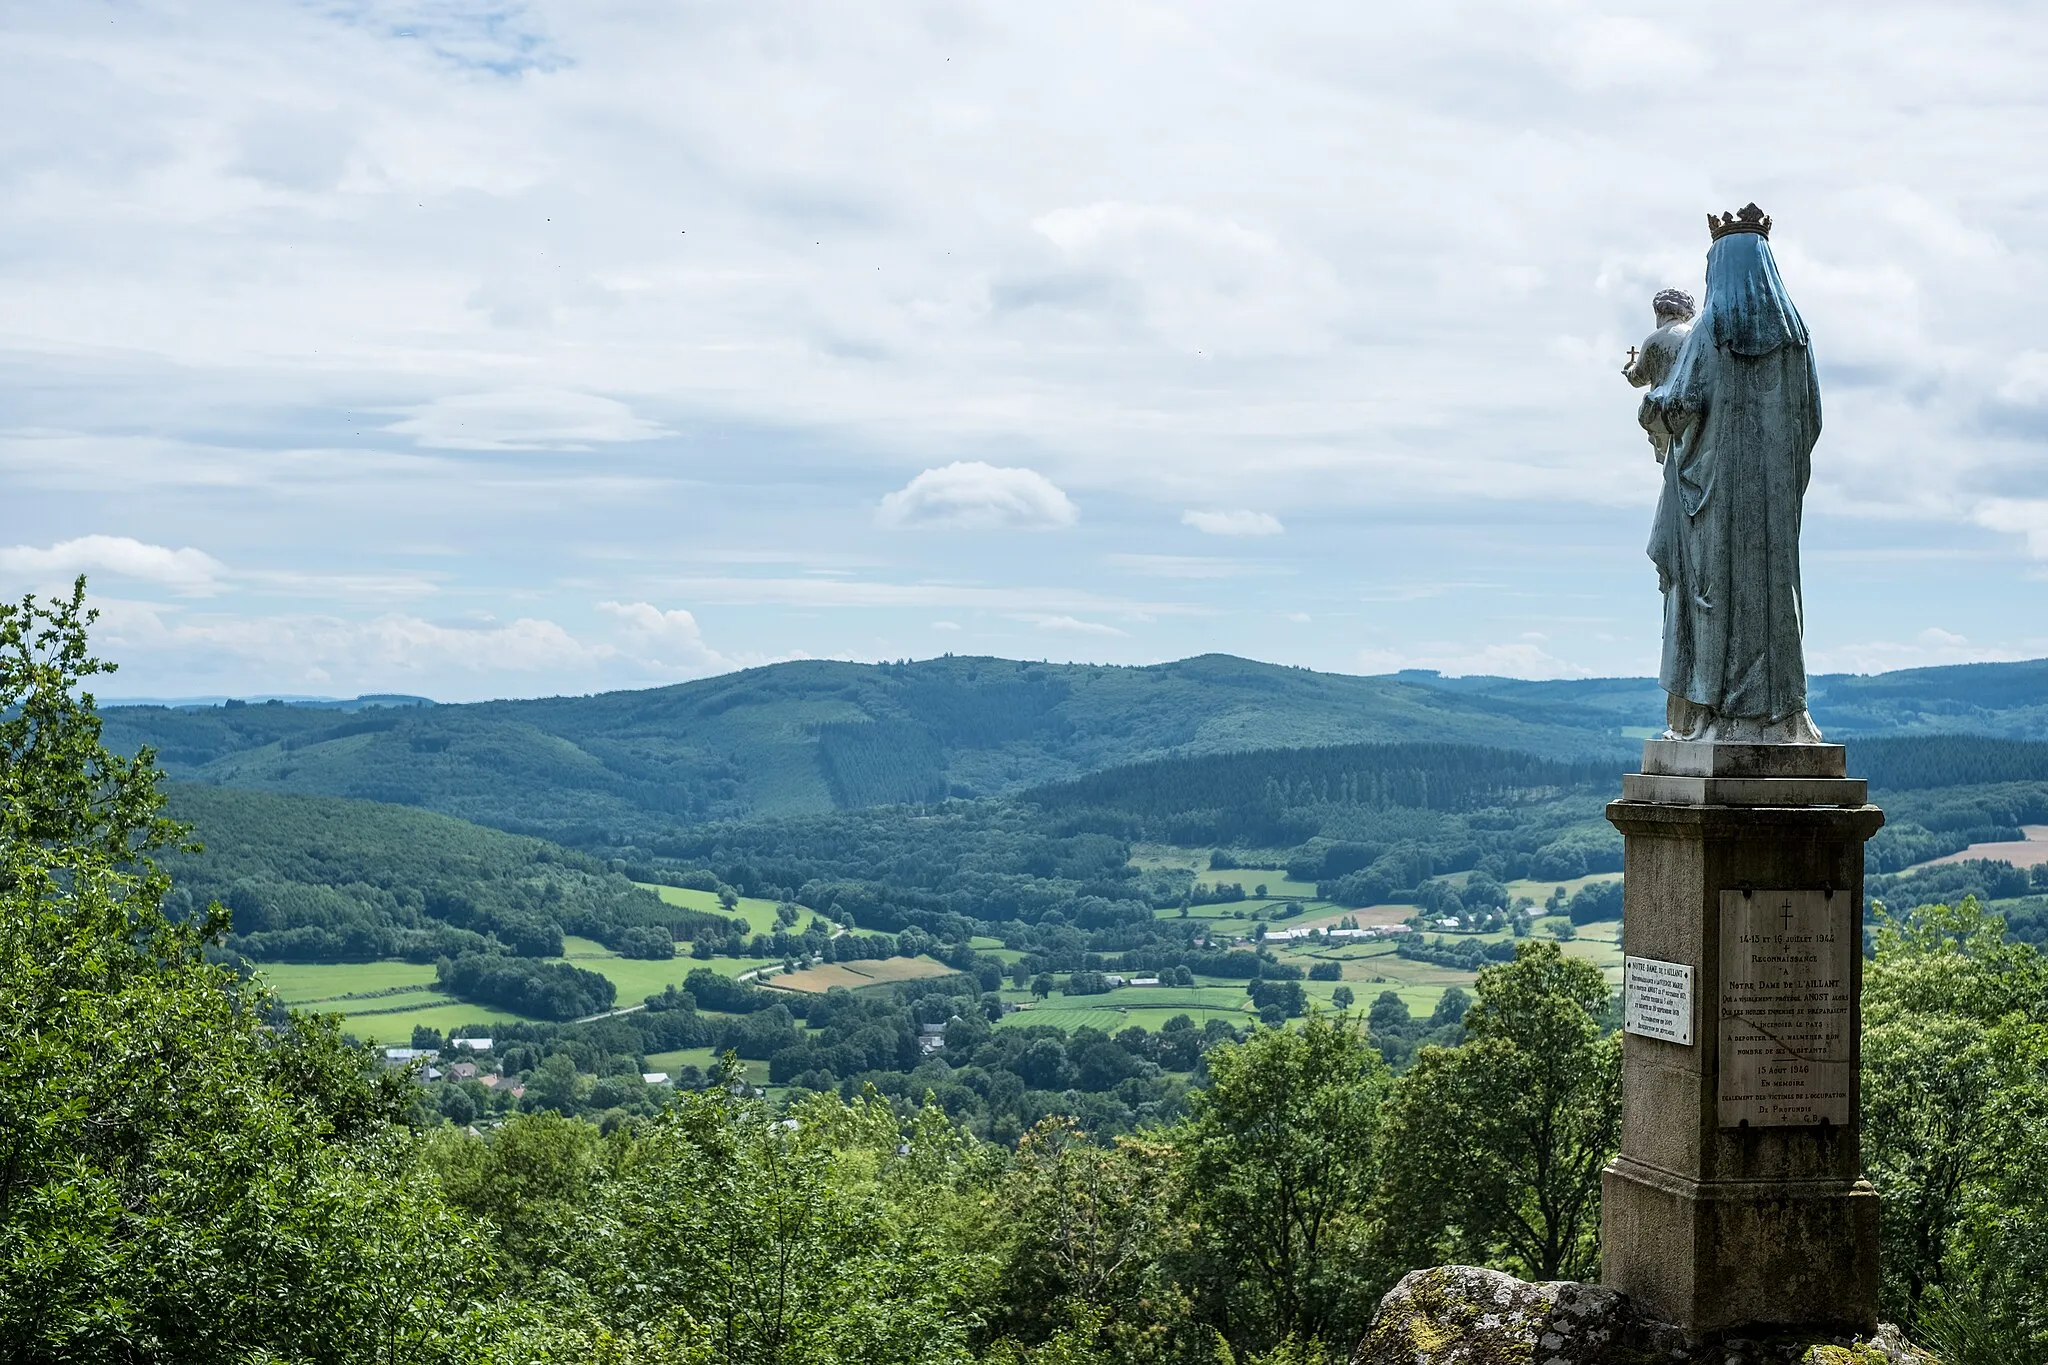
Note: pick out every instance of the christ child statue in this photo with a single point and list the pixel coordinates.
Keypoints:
(1649, 366)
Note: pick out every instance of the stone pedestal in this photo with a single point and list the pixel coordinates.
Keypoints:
(1737, 1200)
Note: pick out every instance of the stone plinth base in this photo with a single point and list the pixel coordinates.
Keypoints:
(1754, 1255)
(1719, 1216)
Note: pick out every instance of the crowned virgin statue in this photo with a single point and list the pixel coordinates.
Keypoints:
(1738, 414)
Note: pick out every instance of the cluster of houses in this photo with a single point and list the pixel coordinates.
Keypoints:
(1338, 935)
(434, 1069)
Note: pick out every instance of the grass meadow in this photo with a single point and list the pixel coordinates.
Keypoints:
(759, 914)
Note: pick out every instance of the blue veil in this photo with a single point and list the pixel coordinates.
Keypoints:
(1747, 310)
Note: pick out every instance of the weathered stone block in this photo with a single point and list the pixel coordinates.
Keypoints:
(1744, 791)
(1718, 1227)
(1687, 758)
(1468, 1315)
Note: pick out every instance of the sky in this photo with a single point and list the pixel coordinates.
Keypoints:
(475, 348)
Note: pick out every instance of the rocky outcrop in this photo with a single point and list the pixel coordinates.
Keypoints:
(1466, 1315)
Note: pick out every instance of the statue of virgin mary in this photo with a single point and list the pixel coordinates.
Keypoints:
(1741, 411)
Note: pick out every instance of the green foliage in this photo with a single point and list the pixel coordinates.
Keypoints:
(314, 879)
(1955, 1111)
(178, 1182)
(526, 1180)
(1496, 1146)
(1277, 1162)
(1089, 1254)
(791, 1241)
(545, 990)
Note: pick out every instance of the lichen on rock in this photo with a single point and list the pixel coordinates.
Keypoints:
(1468, 1315)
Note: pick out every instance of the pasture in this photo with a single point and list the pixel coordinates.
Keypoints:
(358, 992)
(635, 978)
(759, 914)
(703, 1058)
(1539, 890)
(306, 983)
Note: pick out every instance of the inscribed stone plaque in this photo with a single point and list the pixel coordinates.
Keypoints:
(1657, 999)
(1787, 1057)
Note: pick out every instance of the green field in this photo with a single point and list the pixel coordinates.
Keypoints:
(373, 1017)
(305, 983)
(636, 978)
(703, 1058)
(1539, 891)
(759, 914)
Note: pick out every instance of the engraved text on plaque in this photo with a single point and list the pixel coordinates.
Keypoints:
(1657, 999)
(1787, 1058)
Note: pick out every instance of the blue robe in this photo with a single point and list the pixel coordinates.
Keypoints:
(1742, 410)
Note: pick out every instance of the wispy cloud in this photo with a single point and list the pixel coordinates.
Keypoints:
(188, 571)
(1235, 523)
(1070, 625)
(533, 419)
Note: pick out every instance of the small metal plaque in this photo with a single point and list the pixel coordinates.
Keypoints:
(1657, 999)
(1787, 1057)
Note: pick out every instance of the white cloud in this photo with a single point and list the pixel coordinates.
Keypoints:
(2018, 516)
(1070, 625)
(1237, 523)
(527, 419)
(972, 495)
(630, 643)
(393, 648)
(945, 625)
(668, 640)
(188, 571)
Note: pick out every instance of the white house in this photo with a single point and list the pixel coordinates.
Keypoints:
(656, 1078)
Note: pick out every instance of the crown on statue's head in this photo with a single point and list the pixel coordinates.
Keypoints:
(1749, 218)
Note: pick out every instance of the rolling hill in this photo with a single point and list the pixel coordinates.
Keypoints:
(815, 736)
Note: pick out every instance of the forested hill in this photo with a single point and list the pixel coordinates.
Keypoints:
(315, 879)
(814, 736)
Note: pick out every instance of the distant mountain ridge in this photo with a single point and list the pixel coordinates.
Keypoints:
(2003, 699)
(814, 736)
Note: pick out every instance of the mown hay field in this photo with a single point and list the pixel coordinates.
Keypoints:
(854, 975)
